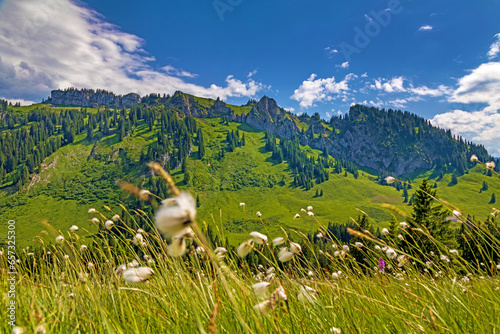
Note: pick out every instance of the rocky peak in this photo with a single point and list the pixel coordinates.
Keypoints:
(92, 98)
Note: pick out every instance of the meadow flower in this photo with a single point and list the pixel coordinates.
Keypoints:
(140, 231)
(138, 239)
(90, 266)
(71, 295)
(401, 260)
(174, 215)
(377, 247)
(385, 231)
(310, 273)
(335, 330)
(307, 294)
(59, 239)
(220, 250)
(285, 255)
(178, 245)
(115, 217)
(444, 258)
(319, 235)
(303, 210)
(83, 247)
(65, 256)
(95, 220)
(457, 213)
(474, 158)
(133, 264)
(345, 248)
(109, 224)
(498, 266)
(242, 204)
(30, 254)
(120, 269)
(258, 214)
(390, 179)
(335, 275)
(18, 330)
(381, 264)
(391, 253)
(265, 307)
(490, 165)
(310, 213)
(40, 329)
(400, 237)
(92, 210)
(358, 244)
(295, 248)
(73, 228)
(403, 225)
(334, 246)
(309, 208)
(297, 216)
(278, 241)
(258, 238)
(453, 251)
(137, 275)
(144, 194)
(260, 289)
(245, 248)
(199, 250)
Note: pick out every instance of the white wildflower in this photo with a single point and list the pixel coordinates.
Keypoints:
(303, 210)
(377, 247)
(18, 330)
(259, 214)
(278, 241)
(474, 158)
(335, 275)
(144, 194)
(245, 248)
(285, 255)
(345, 248)
(400, 237)
(358, 244)
(390, 179)
(242, 204)
(95, 220)
(385, 231)
(309, 208)
(295, 248)
(90, 265)
(265, 307)
(137, 275)
(133, 264)
(115, 217)
(140, 230)
(59, 239)
(310, 273)
(178, 245)
(297, 216)
(138, 239)
(453, 251)
(457, 213)
(175, 214)
(200, 250)
(444, 258)
(92, 210)
(490, 165)
(120, 269)
(403, 225)
(83, 247)
(40, 329)
(391, 253)
(73, 228)
(258, 238)
(319, 235)
(109, 224)
(260, 289)
(310, 213)
(335, 330)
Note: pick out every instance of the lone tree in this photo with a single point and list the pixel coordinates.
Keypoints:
(428, 216)
(493, 199)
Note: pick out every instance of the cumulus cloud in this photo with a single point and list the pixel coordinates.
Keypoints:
(396, 85)
(390, 86)
(478, 126)
(316, 90)
(344, 65)
(425, 28)
(251, 74)
(494, 48)
(50, 44)
(480, 86)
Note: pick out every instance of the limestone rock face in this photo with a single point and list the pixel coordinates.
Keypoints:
(91, 98)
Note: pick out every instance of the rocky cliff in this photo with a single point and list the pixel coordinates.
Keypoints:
(91, 98)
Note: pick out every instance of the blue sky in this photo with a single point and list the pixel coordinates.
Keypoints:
(438, 59)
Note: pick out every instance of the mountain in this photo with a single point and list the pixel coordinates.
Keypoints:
(394, 142)
(57, 161)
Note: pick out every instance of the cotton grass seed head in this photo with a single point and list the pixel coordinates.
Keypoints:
(278, 241)
(385, 231)
(474, 158)
(490, 165)
(73, 228)
(310, 213)
(258, 238)
(307, 294)
(295, 248)
(109, 224)
(115, 217)
(259, 214)
(59, 239)
(297, 216)
(137, 275)
(391, 253)
(178, 245)
(390, 179)
(309, 208)
(260, 289)
(285, 255)
(92, 210)
(245, 248)
(176, 214)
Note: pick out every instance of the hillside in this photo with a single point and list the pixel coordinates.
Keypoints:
(67, 159)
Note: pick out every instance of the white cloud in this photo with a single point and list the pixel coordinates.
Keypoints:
(344, 65)
(425, 28)
(328, 115)
(50, 44)
(251, 74)
(479, 126)
(494, 48)
(316, 90)
(396, 85)
(426, 91)
(393, 85)
(169, 69)
(290, 109)
(480, 86)
(364, 75)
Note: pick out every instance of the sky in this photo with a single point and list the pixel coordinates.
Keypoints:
(437, 59)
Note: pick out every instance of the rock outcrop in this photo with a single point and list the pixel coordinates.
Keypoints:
(91, 98)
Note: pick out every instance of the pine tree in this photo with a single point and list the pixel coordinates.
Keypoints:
(321, 193)
(493, 199)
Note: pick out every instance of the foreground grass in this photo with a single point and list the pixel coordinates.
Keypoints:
(67, 289)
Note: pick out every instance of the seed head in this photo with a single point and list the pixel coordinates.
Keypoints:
(137, 275)
(73, 228)
(175, 214)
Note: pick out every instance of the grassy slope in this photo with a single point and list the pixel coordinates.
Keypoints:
(249, 167)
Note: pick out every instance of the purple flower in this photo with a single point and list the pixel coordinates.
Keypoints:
(381, 264)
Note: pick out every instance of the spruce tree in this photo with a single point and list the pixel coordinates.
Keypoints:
(493, 199)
